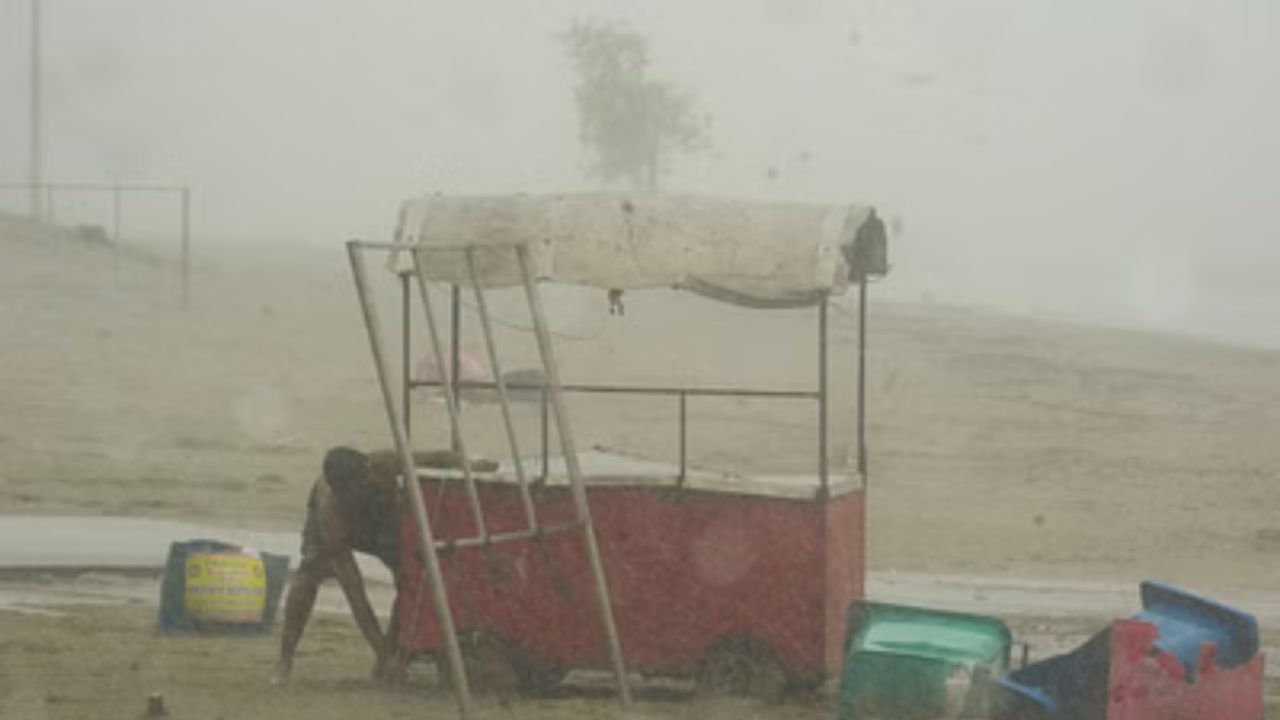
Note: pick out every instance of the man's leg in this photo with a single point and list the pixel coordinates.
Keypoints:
(394, 668)
(297, 611)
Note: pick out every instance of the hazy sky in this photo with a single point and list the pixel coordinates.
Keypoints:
(1104, 160)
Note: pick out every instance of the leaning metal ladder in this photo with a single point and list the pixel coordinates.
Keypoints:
(399, 422)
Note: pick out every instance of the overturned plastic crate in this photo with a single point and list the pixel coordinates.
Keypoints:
(215, 587)
(1183, 657)
(912, 662)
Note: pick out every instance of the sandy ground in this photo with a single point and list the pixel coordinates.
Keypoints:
(105, 662)
(1000, 446)
(997, 444)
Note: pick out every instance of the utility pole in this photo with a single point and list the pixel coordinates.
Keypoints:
(36, 166)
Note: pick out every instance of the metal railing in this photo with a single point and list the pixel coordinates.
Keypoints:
(682, 410)
(455, 386)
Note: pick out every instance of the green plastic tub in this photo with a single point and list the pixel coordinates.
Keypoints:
(911, 662)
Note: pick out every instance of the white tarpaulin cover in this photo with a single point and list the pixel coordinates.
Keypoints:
(743, 252)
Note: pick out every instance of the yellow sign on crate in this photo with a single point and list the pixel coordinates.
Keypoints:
(225, 587)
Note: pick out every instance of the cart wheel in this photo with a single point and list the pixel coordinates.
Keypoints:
(488, 660)
(806, 685)
(741, 665)
(536, 677)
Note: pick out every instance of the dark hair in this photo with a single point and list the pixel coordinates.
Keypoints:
(343, 468)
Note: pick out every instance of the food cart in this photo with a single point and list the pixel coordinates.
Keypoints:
(741, 580)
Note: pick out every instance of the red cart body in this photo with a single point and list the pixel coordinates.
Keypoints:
(685, 565)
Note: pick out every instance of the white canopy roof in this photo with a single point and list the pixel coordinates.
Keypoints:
(764, 254)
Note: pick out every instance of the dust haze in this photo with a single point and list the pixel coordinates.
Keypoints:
(1075, 360)
(1096, 161)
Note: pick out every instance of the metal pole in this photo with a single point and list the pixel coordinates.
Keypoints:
(115, 213)
(862, 427)
(683, 439)
(579, 491)
(822, 398)
(531, 518)
(862, 380)
(36, 163)
(546, 434)
(455, 360)
(186, 247)
(406, 349)
(450, 398)
(426, 538)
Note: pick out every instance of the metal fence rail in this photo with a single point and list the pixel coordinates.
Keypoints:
(47, 211)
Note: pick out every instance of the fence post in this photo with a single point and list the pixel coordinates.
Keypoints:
(186, 247)
(36, 162)
(115, 213)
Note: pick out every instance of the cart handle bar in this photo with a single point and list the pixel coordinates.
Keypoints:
(495, 538)
(636, 390)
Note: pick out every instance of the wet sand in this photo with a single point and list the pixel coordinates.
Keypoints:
(105, 661)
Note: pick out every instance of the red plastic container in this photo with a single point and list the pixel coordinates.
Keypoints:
(685, 566)
(1147, 683)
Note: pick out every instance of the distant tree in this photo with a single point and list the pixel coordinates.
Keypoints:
(630, 124)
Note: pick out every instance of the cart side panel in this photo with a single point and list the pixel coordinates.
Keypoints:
(690, 567)
(684, 567)
(845, 570)
(502, 588)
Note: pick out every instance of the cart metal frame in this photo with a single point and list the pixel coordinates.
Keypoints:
(553, 410)
(397, 416)
(820, 394)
